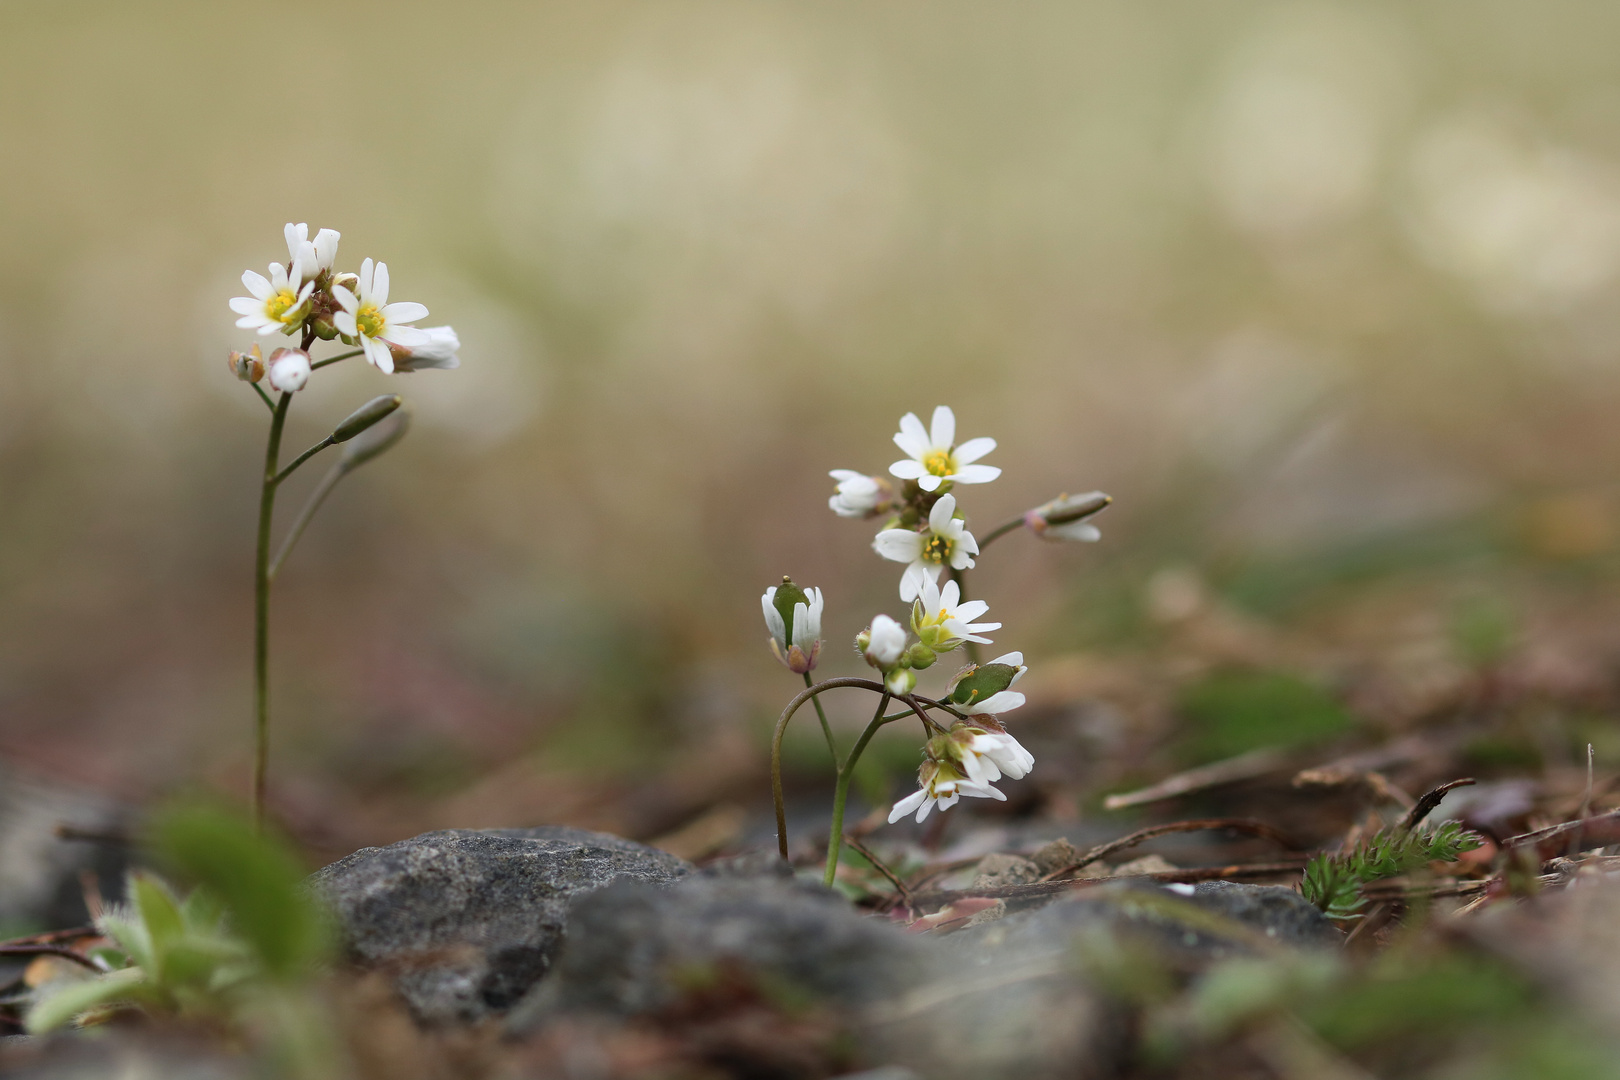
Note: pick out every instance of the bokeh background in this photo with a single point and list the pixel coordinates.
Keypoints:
(1324, 294)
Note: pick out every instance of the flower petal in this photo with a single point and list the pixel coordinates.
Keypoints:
(906, 469)
(379, 285)
(908, 804)
(975, 474)
(943, 431)
(942, 513)
(973, 450)
(257, 285)
(403, 313)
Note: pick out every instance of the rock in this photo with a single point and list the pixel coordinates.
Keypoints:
(1004, 869)
(1147, 864)
(1055, 856)
(469, 920)
(635, 949)
(1278, 912)
(40, 873)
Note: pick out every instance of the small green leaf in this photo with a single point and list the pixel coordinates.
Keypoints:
(63, 1003)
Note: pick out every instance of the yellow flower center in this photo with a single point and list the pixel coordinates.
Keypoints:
(940, 463)
(936, 549)
(370, 321)
(280, 304)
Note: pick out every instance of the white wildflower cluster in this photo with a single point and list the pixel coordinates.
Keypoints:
(310, 298)
(967, 749)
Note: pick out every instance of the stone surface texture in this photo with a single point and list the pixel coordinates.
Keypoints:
(468, 920)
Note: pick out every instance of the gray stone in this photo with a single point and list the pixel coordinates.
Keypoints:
(469, 920)
(1004, 869)
(1278, 912)
(635, 949)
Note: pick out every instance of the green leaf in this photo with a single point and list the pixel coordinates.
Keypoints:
(159, 913)
(1333, 882)
(257, 879)
(66, 1002)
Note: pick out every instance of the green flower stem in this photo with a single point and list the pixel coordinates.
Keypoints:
(999, 531)
(835, 838)
(316, 498)
(301, 458)
(264, 397)
(803, 696)
(261, 609)
(826, 728)
(334, 359)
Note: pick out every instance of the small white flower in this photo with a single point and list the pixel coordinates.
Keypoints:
(323, 251)
(373, 321)
(795, 641)
(439, 351)
(990, 755)
(858, 495)
(942, 623)
(942, 784)
(288, 370)
(885, 643)
(945, 543)
(932, 456)
(278, 303)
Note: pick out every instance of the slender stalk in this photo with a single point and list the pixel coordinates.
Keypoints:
(264, 397)
(316, 498)
(835, 838)
(334, 359)
(305, 456)
(826, 728)
(807, 694)
(999, 531)
(261, 609)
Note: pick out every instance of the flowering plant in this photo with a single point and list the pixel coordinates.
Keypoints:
(966, 747)
(309, 300)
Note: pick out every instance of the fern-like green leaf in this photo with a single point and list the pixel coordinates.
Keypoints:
(1333, 882)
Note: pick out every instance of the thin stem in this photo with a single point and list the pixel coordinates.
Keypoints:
(261, 610)
(807, 694)
(826, 728)
(999, 531)
(305, 456)
(335, 359)
(318, 496)
(835, 838)
(264, 397)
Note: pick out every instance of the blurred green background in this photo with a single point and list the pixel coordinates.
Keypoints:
(1324, 294)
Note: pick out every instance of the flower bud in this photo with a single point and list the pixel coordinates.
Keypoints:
(920, 656)
(323, 328)
(289, 370)
(900, 682)
(885, 643)
(1064, 517)
(376, 440)
(247, 366)
(365, 416)
(793, 616)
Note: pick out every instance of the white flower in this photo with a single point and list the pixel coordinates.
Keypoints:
(983, 689)
(289, 370)
(376, 323)
(942, 623)
(439, 351)
(942, 784)
(858, 495)
(946, 542)
(279, 303)
(932, 456)
(323, 252)
(989, 755)
(885, 643)
(795, 639)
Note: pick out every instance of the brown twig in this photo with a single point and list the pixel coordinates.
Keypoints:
(877, 864)
(1256, 828)
(50, 950)
(113, 837)
(1599, 831)
(54, 937)
(1429, 800)
(1166, 877)
(1243, 767)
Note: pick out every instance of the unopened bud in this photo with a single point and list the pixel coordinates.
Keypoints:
(884, 643)
(247, 366)
(365, 416)
(288, 370)
(900, 681)
(921, 656)
(323, 329)
(438, 351)
(376, 440)
(1064, 517)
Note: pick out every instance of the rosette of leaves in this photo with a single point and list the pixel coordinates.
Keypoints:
(1333, 881)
